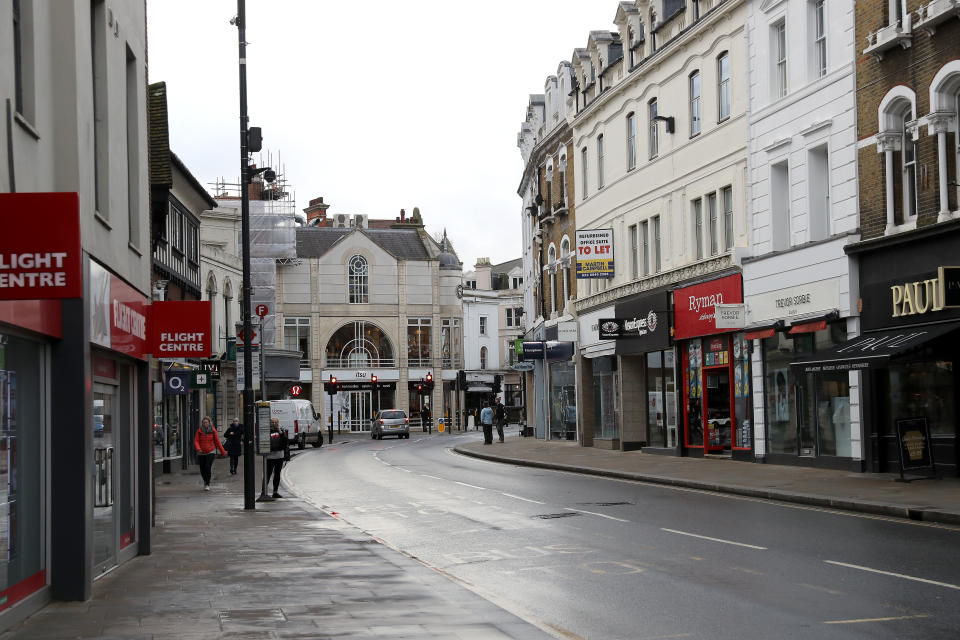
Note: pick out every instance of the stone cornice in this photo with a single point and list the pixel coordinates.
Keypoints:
(688, 272)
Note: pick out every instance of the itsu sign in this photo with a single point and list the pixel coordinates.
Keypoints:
(181, 329)
(40, 254)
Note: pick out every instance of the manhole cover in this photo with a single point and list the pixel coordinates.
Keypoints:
(551, 516)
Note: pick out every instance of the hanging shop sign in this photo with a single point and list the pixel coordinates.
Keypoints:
(641, 324)
(694, 307)
(40, 253)
(118, 314)
(730, 316)
(212, 367)
(522, 366)
(595, 253)
(567, 331)
(176, 383)
(181, 329)
(548, 350)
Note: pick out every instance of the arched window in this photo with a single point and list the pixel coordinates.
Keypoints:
(565, 264)
(943, 119)
(227, 304)
(896, 139)
(483, 357)
(212, 296)
(359, 344)
(358, 280)
(552, 268)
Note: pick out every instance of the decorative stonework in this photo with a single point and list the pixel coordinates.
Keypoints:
(888, 141)
(939, 122)
(664, 279)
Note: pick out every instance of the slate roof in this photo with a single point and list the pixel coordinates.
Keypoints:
(403, 244)
(161, 174)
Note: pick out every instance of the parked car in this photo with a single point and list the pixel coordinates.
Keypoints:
(300, 421)
(390, 422)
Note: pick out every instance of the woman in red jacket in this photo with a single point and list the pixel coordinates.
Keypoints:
(207, 443)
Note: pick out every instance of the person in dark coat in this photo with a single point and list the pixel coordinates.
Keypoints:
(233, 443)
(500, 413)
(279, 453)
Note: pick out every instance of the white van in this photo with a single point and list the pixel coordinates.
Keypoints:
(300, 421)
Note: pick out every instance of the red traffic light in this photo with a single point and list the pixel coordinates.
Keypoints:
(333, 380)
(373, 379)
(429, 377)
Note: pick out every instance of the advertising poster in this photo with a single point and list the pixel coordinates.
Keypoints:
(595, 253)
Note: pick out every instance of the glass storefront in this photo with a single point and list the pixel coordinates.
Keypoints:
(661, 399)
(22, 471)
(563, 400)
(716, 391)
(606, 398)
(807, 414)
(914, 389)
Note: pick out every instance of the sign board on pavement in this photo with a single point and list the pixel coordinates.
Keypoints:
(263, 427)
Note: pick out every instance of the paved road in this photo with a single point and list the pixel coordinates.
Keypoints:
(600, 558)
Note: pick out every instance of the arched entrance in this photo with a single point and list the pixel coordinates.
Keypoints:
(360, 345)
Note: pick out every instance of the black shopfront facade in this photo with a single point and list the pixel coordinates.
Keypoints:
(909, 345)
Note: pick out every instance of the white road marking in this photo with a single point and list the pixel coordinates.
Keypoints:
(895, 575)
(472, 486)
(593, 513)
(860, 620)
(695, 535)
(425, 475)
(510, 495)
(404, 470)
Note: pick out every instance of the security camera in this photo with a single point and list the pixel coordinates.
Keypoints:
(270, 175)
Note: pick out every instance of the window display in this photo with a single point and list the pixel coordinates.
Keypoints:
(661, 399)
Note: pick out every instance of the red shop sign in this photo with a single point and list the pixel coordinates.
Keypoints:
(40, 255)
(181, 329)
(694, 306)
(118, 314)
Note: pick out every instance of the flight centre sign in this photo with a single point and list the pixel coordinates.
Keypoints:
(595, 253)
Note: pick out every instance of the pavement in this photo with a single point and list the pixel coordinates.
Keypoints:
(929, 500)
(288, 570)
(284, 570)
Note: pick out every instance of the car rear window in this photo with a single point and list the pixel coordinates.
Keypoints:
(392, 415)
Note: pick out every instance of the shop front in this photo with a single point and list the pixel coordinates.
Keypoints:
(908, 349)
(597, 382)
(715, 371)
(645, 360)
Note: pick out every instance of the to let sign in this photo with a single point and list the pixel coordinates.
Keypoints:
(40, 255)
(595, 253)
(181, 329)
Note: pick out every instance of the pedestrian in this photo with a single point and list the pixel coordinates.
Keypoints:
(207, 443)
(279, 453)
(486, 418)
(233, 443)
(501, 415)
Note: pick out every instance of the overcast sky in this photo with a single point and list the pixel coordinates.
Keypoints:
(374, 105)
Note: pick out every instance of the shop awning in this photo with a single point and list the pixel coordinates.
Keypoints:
(759, 334)
(873, 348)
(808, 327)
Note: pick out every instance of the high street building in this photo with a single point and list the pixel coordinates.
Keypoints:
(908, 95)
(800, 288)
(549, 226)
(364, 297)
(75, 386)
(660, 132)
(492, 322)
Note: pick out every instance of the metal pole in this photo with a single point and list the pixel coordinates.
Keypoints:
(249, 463)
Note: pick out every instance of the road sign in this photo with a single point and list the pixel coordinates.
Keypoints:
(262, 310)
(241, 336)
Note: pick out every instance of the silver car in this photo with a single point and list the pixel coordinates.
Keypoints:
(390, 422)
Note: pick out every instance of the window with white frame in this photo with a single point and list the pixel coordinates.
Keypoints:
(552, 268)
(657, 265)
(358, 279)
(723, 86)
(654, 141)
(780, 206)
(296, 337)
(565, 265)
(818, 190)
(483, 325)
(634, 251)
(696, 120)
(727, 193)
(517, 282)
(483, 357)
(631, 141)
(419, 341)
(583, 171)
(818, 22)
(645, 241)
(600, 161)
(714, 223)
(909, 168)
(779, 50)
(697, 212)
(509, 313)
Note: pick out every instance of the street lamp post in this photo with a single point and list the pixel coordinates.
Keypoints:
(249, 463)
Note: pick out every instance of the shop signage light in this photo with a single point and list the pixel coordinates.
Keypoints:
(40, 253)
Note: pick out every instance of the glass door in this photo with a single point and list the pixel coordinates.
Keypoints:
(104, 450)
(361, 410)
(717, 402)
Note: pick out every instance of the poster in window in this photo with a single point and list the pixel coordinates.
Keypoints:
(782, 397)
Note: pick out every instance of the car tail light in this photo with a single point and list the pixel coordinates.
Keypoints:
(381, 421)
(296, 426)
(406, 420)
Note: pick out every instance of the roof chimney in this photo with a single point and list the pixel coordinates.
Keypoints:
(316, 209)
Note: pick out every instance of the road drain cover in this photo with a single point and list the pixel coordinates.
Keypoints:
(551, 516)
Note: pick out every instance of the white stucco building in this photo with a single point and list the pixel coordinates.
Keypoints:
(800, 287)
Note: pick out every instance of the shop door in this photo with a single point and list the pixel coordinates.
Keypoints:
(105, 441)
(717, 402)
(360, 405)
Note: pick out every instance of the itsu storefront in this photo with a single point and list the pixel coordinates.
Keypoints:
(714, 365)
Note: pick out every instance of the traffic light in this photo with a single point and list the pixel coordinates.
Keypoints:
(428, 383)
(331, 387)
(419, 388)
(373, 381)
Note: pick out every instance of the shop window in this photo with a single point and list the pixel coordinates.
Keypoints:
(742, 405)
(918, 389)
(419, 337)
(693, 392)
(22, 452)
(606, 398)
(563, 400)
(661, 399)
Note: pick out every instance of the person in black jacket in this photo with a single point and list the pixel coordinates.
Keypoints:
(279, 453)
(233, 443)
(501, 415)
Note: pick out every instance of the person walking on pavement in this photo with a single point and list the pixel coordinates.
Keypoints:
(501, 415)
(486, 419)
(233, 443)
(279, 453)
(207, 443)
